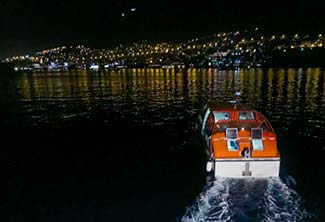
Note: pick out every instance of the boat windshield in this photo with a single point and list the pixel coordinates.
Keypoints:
(247, 116)
(221, 116)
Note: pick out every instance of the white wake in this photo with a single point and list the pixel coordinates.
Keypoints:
(282, 203)
(266, 200)
(212, 205)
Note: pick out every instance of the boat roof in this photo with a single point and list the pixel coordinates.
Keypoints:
(230, 106)
(259, 121)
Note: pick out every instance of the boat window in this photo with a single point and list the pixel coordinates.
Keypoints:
(257, 136)
(257, 133)
(209, 125)
(247, 116)
(257, 145)
(221, 116)
(232, 145)
(232, 133)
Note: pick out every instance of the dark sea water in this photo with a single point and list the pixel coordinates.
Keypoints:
(121, 146)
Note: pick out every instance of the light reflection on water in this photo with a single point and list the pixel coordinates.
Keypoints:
(273, 91)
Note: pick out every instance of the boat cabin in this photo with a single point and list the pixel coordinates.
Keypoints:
(232, 130)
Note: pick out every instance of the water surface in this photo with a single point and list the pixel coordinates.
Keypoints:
(120, 145)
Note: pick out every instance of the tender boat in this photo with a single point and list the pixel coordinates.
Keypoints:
(240, 141)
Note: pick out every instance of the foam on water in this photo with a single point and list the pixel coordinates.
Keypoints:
(248, 200)
(282, 203)
(213, 204)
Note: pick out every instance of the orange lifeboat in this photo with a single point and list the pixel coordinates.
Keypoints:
(240, 141)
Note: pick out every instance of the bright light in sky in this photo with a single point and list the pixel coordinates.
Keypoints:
(133, 9)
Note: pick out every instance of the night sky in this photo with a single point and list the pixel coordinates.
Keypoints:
(31, 25)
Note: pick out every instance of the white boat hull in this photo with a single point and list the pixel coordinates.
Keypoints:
(246, 168)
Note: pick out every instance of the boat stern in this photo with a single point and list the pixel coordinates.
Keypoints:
(246, 168)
